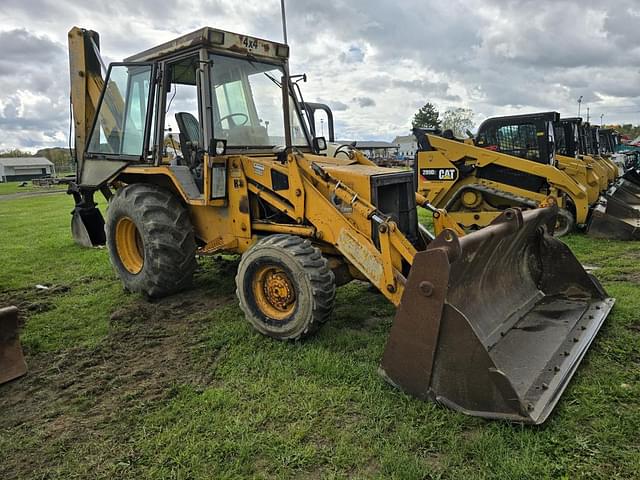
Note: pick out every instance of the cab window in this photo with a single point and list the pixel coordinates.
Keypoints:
(120, 126)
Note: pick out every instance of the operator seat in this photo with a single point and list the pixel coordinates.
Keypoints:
(191, 145)
(189, 134)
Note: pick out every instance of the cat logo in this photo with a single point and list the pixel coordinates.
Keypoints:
(439, 174)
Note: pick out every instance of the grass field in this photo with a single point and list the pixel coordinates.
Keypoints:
(184, 388)
(14, 187)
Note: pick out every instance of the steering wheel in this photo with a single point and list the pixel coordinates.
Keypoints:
(232, 123)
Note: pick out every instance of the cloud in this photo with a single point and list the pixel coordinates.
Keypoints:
(493, 56)
(365, 101)
(334, 105)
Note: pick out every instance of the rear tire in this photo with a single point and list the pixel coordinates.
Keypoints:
(150, 240)
(285, 287)
(565, 223)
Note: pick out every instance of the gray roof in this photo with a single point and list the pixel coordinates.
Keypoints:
(404, 139)
(24, 161)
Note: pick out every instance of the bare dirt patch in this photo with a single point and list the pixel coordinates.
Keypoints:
(633, 277)
(31, 300)
(71, 396)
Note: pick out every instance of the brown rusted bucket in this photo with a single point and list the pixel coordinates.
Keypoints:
(495, 323)
(12, 364)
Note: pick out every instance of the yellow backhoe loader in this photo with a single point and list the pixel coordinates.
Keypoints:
(12, 363)
(492, 324)
(590, 150)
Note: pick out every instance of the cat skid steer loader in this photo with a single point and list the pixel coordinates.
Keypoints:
(591, 175)
(492, 324)
(510, 163)
(617, 213)
(513, 162)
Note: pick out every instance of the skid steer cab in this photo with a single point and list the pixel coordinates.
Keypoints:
(203, 145)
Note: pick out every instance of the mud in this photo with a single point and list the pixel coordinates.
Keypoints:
(633, 277)
(73, 395)
(31, 300)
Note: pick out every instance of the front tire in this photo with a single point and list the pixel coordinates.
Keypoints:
(565, 223)
(150, 240)
(285, 287)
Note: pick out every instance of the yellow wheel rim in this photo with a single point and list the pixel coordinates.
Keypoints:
(129, 245)
(274, 292)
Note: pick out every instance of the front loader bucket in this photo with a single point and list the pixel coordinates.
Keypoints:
(495, 323)
(632, 176)
(12, 364)
(627, 192)
(614, 219)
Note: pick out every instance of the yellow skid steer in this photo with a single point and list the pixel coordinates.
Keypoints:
(617, 214)
(493, 324)
(590, 175)
(511, 163)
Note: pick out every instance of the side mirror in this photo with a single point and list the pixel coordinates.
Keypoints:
(319, 144)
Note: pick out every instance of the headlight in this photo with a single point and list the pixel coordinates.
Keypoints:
(220, 147)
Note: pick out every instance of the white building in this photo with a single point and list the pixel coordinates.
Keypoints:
(18, 169)
(372, 148)
(407, 145)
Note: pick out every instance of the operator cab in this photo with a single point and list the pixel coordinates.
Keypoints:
(205, 94)
(568, 136)
(530, 137)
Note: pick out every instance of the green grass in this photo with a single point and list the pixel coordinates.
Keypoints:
(14, 187)
(184, 388)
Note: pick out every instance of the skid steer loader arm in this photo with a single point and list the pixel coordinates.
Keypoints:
(494, 324)
(12, 364)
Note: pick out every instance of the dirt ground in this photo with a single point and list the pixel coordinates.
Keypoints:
(68, 396)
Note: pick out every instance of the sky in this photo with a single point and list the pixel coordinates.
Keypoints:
(374, 62)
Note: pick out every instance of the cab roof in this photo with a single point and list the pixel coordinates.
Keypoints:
(217, 40)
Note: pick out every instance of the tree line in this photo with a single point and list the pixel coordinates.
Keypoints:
(458, 120)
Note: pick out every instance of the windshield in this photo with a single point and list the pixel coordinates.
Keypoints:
(247, 109)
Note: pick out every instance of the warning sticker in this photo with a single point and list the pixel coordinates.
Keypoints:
(258, 168)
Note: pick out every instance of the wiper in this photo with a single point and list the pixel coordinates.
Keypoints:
(273, 79)
(265, 73)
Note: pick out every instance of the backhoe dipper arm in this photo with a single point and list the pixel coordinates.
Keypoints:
(85, 68)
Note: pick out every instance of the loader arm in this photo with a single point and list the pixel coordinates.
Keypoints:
(321, 199)
(583, 173)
